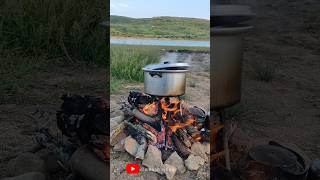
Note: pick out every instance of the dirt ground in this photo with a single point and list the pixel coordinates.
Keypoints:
(287, 108)
(19, 122)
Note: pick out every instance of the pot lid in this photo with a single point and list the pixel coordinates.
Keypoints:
(167, 66)
(226, 15)
(273, 156)
(231, 10)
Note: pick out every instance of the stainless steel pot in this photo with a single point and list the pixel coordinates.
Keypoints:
(166, 79)
(227, 54)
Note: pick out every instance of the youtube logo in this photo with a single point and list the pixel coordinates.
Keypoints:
(132, 168)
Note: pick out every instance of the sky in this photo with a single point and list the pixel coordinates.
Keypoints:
(153, 8)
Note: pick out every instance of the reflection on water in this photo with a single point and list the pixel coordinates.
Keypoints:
(159, 42)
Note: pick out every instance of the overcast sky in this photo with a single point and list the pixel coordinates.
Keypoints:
(152, 8)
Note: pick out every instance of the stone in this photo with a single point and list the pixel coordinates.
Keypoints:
(117, 113)
(169, 171)
(24, 163)
(86, 164)
(51, 163)
(206, 147)
(203, 172)
(152, 159)
(28, 176)
(176, 161)
(141, 149)
(117, 134)
(193, 162)
(199, 150)
(114, 122)
(43, 153)
(131, 145)
(119, 147)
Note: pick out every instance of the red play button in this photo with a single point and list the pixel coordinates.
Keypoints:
(133, 168)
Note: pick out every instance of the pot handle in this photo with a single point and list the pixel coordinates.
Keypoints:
(152, 74)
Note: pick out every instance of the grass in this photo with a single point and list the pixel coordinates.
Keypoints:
(127, 61)
(264, 71)
(160, 27)
(193, 84)
(17, 76)
(54, 29)
(39, 37)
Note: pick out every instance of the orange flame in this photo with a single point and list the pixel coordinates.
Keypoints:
(172, 106)
(150, 109)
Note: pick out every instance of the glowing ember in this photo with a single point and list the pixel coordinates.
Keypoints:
(176, 126)
(150, 109)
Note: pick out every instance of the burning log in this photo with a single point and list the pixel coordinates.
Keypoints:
(184, 137)
(137, 98)
(142, 117)
(142, 131)
(192, 131)
(160, 135)
(183, 150)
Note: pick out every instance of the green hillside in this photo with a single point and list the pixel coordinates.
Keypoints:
(160, 27)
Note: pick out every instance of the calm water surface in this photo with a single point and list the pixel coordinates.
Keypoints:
(159, 42)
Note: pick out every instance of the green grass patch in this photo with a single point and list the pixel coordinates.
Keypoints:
(68, 29)
(127, 61)
(160, 27)
(17, 76)
(264, 71)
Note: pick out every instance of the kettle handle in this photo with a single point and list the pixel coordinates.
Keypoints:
(152, 74)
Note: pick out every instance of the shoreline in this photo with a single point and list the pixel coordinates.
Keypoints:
(149, 38)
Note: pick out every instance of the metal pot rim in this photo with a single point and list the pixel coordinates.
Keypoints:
(230, 30)
(165, 70)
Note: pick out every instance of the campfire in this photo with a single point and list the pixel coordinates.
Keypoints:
(83, 136)
(167, 123)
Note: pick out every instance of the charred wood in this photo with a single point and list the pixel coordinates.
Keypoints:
(192, 131)
(142, 117)
(184, 137)
(142, 131)
(137, 98)
(181, 149)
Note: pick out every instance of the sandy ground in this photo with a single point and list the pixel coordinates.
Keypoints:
(197, 93)
(288, 108)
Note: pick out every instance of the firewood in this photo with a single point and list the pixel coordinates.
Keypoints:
(141, 130)
(192, 131)
(184, 137)
(181, 149)
(142, 117)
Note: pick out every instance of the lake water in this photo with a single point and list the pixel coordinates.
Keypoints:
(159, 42)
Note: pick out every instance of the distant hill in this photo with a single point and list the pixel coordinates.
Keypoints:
(160, 27)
